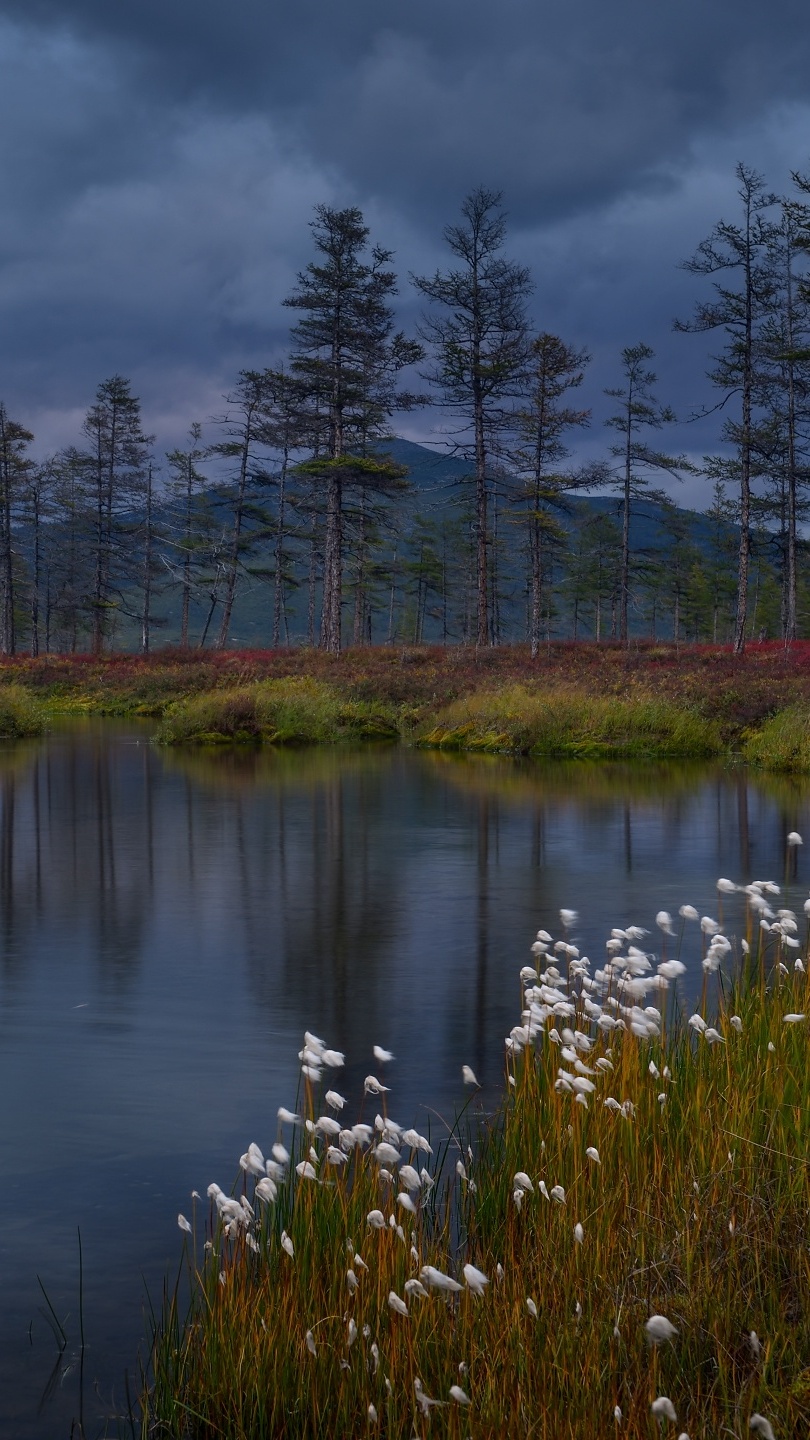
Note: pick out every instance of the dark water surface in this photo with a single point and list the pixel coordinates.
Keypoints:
(170, 923)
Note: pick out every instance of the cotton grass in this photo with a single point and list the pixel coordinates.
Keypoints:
(607, 1248)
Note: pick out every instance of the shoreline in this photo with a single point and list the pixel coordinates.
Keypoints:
(574, 701)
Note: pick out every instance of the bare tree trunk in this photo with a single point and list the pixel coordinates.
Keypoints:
(481, 547)
(233, 563)
(537, 588)
(313, 576)
(36, 575)
(332, 569)
(745, 445)
(628, 471)
(146, 622)
(359, 627)
(187, 561)
(279, 576)
(790, 617)
(391, 602)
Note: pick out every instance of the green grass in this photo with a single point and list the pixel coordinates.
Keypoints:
(569, 721)
(576, 701)
(289, 711)
(564, 721)
(783, 742)
(696, 1209)
(20, 714)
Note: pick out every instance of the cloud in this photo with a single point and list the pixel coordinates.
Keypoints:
(161, 163)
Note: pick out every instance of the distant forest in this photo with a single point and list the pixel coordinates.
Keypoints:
(296, 517)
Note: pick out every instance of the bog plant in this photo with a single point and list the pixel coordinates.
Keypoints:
(20, 715)
(570, 720)
(623, 1252)
(288, 711)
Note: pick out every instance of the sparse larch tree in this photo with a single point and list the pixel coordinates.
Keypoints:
(742, 302)
(345, 358)
(477, 333)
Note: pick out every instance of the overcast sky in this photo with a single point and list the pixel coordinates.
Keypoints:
(161, 160)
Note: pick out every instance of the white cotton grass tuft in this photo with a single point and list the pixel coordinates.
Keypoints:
(663, 1409)
(762, 1427)
(794, 838)
(184, 1224)
(457, 1394)
(579, 1234)
(475, 1278)
(372, 1086)
(658, 1329)
(793, 1019)
(531, 1307)
(415, 1287)
(593, 1154)
(383, 1057)
(437, 1280)
(468, 1076)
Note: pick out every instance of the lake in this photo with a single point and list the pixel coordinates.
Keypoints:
(171, 922)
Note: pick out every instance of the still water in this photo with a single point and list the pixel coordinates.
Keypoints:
(170, 923)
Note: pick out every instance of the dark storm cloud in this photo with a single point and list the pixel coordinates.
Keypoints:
(559, 102)
(161, 158)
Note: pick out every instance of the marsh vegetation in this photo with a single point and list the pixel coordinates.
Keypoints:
(622, 1249)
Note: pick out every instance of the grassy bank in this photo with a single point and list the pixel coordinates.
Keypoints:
(20, 715)
(289, 711)
(570, 721)
(565, 721)
(362, 1283)
(573, 700)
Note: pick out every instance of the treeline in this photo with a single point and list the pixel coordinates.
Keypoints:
(292, 496)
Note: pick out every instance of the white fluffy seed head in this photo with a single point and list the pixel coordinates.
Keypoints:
(761, 1426)
(659, 1329)
(663, 1408)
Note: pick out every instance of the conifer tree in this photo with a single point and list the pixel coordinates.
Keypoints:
(554, 369)
(739, 256)
(186, 545)
(15, 471)
(115, 477)
(637, 413)
(477, 332)
(346, 358)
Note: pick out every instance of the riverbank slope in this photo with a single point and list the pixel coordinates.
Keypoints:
(574, 699)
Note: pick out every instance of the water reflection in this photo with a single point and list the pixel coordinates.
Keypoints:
(171, 921)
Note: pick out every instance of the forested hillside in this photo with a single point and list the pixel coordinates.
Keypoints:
(295, 516)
